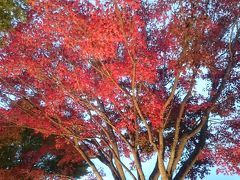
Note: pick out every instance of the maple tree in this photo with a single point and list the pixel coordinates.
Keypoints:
(24, 154)
(129, 79)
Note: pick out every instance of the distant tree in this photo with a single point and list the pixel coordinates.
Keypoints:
(27, 155)
(129, 79)
(11, 13)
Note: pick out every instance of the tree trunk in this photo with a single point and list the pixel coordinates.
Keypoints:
(138, 165)
(117, 163)
(86, 158)
(155, 173)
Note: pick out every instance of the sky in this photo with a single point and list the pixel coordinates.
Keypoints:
(148, 167)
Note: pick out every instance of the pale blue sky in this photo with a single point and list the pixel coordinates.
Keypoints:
(148, 167)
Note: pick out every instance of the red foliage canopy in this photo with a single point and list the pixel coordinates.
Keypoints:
(130, 78)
